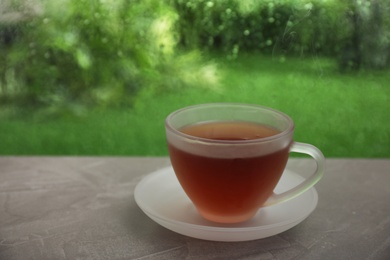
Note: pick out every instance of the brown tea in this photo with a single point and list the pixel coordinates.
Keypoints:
(230, 130)
(226, 188)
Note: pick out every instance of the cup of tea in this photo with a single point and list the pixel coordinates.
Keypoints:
(229, 157)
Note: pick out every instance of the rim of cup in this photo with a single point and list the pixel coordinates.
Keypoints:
(289, 129)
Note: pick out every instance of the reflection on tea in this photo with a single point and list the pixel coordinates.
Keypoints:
(230, 130)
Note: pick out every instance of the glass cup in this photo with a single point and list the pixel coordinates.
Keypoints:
(227, 173)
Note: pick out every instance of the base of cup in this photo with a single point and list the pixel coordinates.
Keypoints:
(227, 219)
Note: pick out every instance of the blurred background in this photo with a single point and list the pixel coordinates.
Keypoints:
(98, 77)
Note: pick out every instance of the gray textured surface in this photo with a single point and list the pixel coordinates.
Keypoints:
(83, 208)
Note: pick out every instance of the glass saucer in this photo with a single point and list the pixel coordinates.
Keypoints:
(160, 196)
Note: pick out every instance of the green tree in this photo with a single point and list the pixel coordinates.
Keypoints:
(286, 26)
(100, 52)
(354, 32)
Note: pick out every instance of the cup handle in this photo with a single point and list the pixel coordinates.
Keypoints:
(309, 182)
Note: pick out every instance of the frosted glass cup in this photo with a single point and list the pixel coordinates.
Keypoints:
(229, 178)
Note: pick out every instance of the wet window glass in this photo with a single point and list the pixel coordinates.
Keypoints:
(91, 77)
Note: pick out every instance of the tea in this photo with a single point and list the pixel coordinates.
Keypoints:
(225, 186)
(230, 130)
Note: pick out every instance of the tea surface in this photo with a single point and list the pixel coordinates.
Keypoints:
(230, 130)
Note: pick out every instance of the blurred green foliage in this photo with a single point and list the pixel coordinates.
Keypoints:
(108, 52)
(350, 30)
(286, 26)
(97, 52)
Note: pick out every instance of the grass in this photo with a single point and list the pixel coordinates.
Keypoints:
(345, 115)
